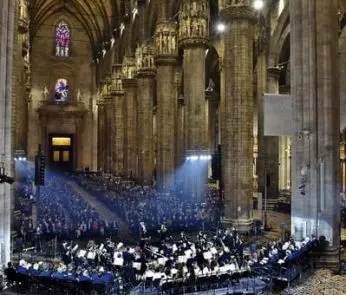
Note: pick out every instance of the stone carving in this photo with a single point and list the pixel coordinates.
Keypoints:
(194, 22)
(117, 84)
(237, 9)
(235, 3)
(129, 67)
(107, 86)
(145, 57)
(23, 20)
(166, 39)
(79, 95)
(45, 93)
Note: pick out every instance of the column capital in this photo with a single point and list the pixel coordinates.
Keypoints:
(117, 84)
(128, 67)
(145, 64)
(274, 72)
(129, 83)
(236, 9)
(106, 90)
(166, 43)
(194, 24)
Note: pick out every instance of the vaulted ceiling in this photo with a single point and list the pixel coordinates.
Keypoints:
(98, 17)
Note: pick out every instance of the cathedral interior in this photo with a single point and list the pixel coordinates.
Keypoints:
(243, 100)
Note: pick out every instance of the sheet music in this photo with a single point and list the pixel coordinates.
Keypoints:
(81, 253)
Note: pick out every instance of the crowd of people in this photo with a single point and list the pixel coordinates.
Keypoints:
(135, 204)
(60, 212)
(182, 261)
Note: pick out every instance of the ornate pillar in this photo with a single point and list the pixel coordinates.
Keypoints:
(193, 38)
(179, 129)
(130, 142)
(101, 134)
(212, 104)
(118, 120)
(145, 100)
(316, 117)
(180, 132)
(165, 60)
(237, 133)
(109, 126)
(7, 31)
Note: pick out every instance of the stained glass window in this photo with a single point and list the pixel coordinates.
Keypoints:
(61, 90)
(62, 39)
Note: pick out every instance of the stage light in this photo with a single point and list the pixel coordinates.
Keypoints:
(194, 158)
(221, 27)
(258, 4)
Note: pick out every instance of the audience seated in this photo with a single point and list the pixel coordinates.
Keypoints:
(137, 204)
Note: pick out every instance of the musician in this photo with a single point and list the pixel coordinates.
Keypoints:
(163, 232)
(142, 230)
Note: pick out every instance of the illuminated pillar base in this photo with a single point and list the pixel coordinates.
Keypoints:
(241, 225)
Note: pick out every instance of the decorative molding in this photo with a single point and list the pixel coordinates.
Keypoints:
(230, 13)
(166, 47)
(194, 23)
(117, 84)
(145, 63)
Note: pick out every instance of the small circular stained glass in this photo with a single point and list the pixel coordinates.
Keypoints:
(61, 90)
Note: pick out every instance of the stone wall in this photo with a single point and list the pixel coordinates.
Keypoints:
(78, 70)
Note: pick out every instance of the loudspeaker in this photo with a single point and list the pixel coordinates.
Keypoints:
(216, 164)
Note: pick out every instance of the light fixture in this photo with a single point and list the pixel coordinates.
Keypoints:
(221, 27)
(258, 4)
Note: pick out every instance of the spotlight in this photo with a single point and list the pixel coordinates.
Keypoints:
(221, 27)
(194, 158)
(20, 159)
(24, 159)
(187, 158)
(258, 4)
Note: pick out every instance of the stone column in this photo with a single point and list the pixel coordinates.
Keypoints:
(145, 100)
(118, 121)
(165, 60)
(316, 117)
(7, 31)
(100, 134)
(107, 97)
(130, 142)
(237, 133)
(212, 102)
(271, 146)
(193, 38)
(180, 132)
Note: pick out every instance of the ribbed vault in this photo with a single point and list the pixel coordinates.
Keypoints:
(97, 17)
